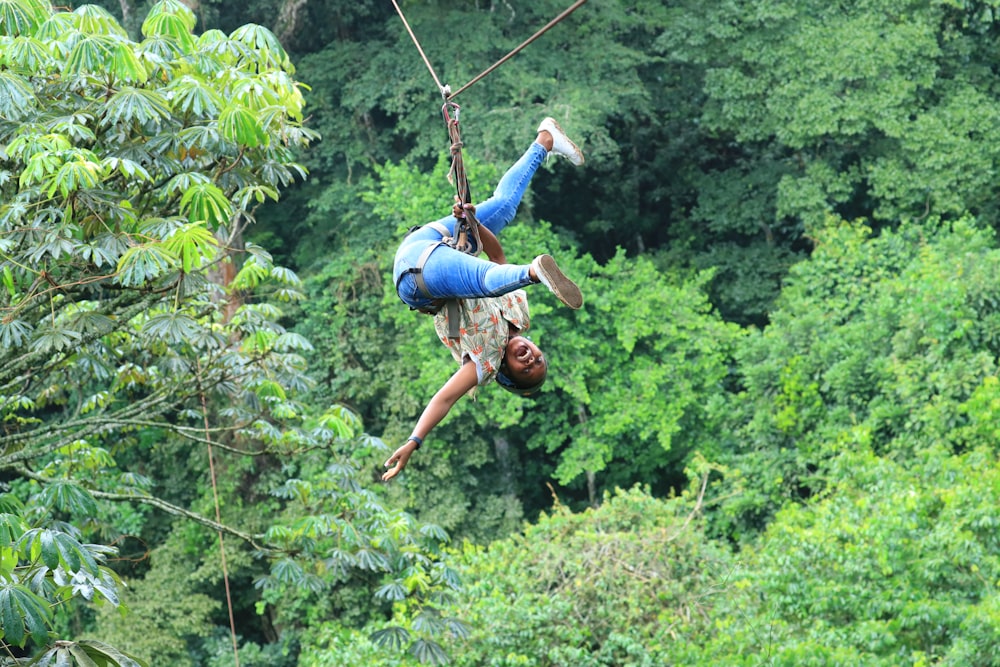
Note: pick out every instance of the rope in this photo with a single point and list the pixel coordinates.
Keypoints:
(467, 224)
(443, 89)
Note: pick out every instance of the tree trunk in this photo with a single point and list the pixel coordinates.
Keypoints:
(287, 23)
(501, 448)
(581, 413)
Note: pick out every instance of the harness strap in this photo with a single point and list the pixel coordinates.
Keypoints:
(418, 272)
(451, 305)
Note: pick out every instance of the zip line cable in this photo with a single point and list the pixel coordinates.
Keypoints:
(445, 90)
(523, 44)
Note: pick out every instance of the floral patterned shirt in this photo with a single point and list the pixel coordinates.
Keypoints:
(484, 331)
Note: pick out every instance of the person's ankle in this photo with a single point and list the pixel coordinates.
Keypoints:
(545, 140)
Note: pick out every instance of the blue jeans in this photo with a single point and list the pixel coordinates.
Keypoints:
(451, 274)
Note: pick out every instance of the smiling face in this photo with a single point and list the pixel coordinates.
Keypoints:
(525, 363)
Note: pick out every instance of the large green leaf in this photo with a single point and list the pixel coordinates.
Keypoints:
(264, 42)
(21, 17)
(170, 26)
(85, 653)
(95, 20)
(79, 172)
(192, 95)
(55, 28)
(28, 53)
(241, 125)
(136, 105)
(125, 64)
(20, 608)
(11, 528)
(143, 263)
(193, 244)
(174, 327)
(16, 96)
(205, 202)
(174, 9)
(91, 55)
(68, 497)
(54, 339)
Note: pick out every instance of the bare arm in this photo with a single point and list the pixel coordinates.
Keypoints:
(491, 244)
(464, 379)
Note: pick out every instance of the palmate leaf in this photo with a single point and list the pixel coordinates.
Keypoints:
(184, 181)
(239, 124)
(191, 95)
(78, 173)
(159, 50)
(250, 274)
(429, 652)
(28, 53)
(39, 168)
(265, 43)
(253, 93)
(197, 138)
(171, 26)
(57, 549)
(20, 608)
(174, 327)
(254, 193)
(86, 653)
(95, 20)
(32, 141)
(19, 17)
(11, 527)
(130, 169)
(394, 637)
(68, 497)
(135, 105)
(16, 96)
(55, 28)
(205, 202)
(53, 339)
(193, 244)
(73, 127)
(125, 64)
(90, 55)
(142, 263)
(391, 592)
(14, 333)
(175, 9)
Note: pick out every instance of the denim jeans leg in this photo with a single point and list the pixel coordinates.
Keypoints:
(497, 211)
(449, 273)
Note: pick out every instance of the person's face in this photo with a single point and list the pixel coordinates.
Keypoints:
(525, 362)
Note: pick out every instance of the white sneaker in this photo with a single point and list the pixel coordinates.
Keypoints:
(561, 144)
(549, 275)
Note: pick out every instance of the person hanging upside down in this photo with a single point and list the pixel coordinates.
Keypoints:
(491, 305)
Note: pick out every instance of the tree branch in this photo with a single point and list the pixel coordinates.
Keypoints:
(169, 508)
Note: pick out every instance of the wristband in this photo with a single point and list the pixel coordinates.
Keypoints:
(417, 440)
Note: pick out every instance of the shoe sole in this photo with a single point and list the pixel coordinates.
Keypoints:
(565, 289)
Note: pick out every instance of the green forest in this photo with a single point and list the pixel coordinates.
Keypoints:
(769, 436)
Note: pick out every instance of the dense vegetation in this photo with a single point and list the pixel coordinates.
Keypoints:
(768, 438)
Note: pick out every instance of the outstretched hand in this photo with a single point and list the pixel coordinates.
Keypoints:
(398, 460)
